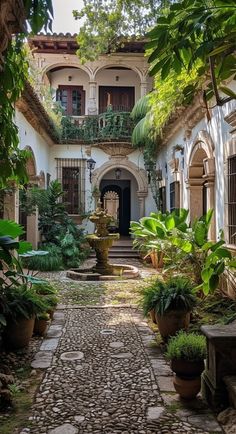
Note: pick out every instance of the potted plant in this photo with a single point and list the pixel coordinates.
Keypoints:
(149, 300)
(21, 304)
(174, 301)
(49, 294)
(41, 323)
(187, 352)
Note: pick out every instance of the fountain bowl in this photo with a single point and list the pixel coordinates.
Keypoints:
(120, 272)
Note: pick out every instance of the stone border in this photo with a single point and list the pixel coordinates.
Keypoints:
(86, 274)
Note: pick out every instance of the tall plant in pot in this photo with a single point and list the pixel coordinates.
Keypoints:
(175, 300)
(187, 352)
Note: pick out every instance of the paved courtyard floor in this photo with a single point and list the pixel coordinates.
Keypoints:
(103, 371)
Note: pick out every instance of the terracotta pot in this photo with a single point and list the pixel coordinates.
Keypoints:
(171, 322)
(40, 326)
(187, 389)
(51, 313)
(187, 368)
(18, 334)
(153, 316)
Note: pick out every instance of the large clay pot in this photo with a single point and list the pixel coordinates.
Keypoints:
(187, 388)
(17, 334)
(171, 322)
(187, 368)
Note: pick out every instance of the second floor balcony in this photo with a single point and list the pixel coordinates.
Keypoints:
(108, 126)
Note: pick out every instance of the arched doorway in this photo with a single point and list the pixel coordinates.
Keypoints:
(116, 198)
(201, 182)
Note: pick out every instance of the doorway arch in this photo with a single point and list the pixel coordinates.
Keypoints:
(201, 180)
(138, 174)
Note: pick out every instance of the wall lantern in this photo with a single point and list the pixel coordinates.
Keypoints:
(159, 174)
(90, 165)
(148, 168)
(118, 173)
(70, 78)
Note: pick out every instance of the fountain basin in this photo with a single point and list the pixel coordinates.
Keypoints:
(119, 272)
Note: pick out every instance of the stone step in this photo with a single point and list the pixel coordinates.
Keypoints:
(230, 382)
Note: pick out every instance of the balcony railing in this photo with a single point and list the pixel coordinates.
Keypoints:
(110, 125)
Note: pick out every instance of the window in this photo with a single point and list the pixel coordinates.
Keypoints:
(174, 196)
(72, 99)
(71, 174)
(232, 199)
(162, 196)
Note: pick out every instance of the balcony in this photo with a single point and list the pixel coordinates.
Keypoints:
(108, 126)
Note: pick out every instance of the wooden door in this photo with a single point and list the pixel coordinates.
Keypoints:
(121, 98)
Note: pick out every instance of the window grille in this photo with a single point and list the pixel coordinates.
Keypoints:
(71, 174)
(232, 199)
(174, 196)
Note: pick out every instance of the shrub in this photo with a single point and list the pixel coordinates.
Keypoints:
(51, 262)
(188, 346)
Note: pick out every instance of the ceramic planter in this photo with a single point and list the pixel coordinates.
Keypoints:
(187, 388)
(171, 322)
(40, 326)
(17, 334)
(187, 368)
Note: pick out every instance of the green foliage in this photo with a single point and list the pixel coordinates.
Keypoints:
(176, 293)
(150, 297)
(21, 301)
(13, 77)
(187, 346)
(184, 244)
(191, 34)
(108, 22)
(50, 262)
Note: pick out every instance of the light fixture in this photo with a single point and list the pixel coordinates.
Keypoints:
(148, 168)
(117, 77)
(69, 77)
(90, 165)
(159, 174)
(118, 173)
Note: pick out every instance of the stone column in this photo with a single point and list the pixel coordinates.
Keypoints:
(32, 229)
(11, 206)
(92, 101)
(141, 198)
(143, 88)
(210, 186)
(195, 199)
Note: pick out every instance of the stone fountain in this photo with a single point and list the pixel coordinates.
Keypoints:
(101, 241)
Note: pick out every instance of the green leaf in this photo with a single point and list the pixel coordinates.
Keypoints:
(170, 222)
(10, 228)
(206, 274)
(213, 282)
(228, 91)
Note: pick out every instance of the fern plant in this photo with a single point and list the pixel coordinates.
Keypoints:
(174, 294)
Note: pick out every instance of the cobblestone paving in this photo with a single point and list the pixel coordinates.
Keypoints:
(114, 384)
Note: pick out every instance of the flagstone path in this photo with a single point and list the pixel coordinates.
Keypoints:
(104, 373)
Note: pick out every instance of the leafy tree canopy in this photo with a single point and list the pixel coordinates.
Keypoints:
(107, 22)
(192, 32)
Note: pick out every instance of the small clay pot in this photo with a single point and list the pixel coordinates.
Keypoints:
(187, 388)
(171, 322)
(40, 326)
(187, 368)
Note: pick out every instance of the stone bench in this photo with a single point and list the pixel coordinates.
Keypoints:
(221, 363)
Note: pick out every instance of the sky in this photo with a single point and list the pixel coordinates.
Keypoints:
(63, 19)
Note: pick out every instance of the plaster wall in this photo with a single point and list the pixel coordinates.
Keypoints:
(28, 137)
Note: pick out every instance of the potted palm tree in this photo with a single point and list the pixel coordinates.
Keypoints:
(173, 301)
(187, 352)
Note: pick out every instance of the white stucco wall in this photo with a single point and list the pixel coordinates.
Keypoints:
(28, 137)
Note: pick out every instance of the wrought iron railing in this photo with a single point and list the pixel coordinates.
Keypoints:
(110, 125)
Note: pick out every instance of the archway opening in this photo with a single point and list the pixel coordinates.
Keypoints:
(119, 196)
(201, 184)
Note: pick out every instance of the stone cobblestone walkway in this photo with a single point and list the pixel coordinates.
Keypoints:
(104, 375)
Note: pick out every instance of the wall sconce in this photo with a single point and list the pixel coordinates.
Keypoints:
(70, 78)
(90, 166)
(117, 78)
(118, 173)
(148, 168)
